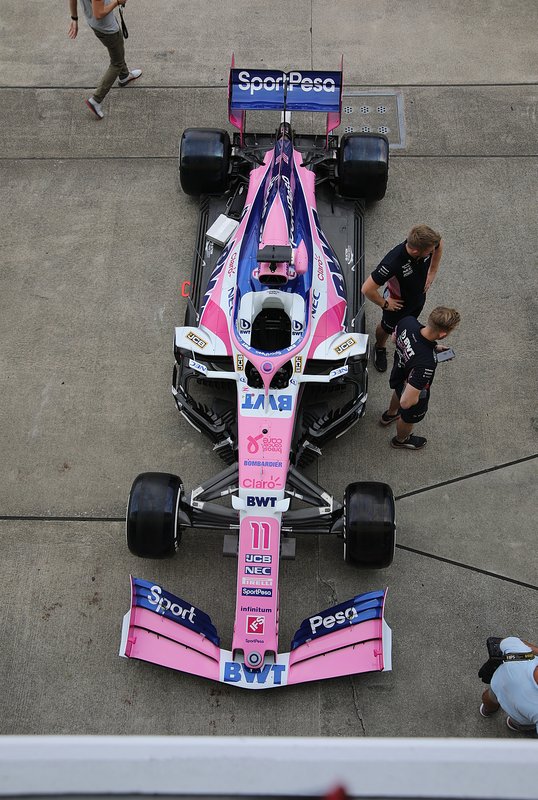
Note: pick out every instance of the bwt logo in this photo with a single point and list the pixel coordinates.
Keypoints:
(256, 625)
(271, 83)
(163, 604)
(272, 674)
(280, 402)
(326, 623)
(261, 502)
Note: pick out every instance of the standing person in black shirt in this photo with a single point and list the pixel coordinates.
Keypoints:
(408, 271)
(412, 375)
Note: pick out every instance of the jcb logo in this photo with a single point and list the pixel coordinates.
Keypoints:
(197, 340)
(341, 348)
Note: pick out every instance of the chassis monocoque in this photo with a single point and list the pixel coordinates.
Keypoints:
(274, 337)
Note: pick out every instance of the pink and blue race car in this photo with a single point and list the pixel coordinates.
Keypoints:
(271, 364)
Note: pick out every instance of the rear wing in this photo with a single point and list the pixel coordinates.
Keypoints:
(268, 89)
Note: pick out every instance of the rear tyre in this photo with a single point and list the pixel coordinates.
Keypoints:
(152, 527)
(363, 166)
(204, 161)
(369, 526)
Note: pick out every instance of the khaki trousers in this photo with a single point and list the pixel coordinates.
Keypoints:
(117, 68)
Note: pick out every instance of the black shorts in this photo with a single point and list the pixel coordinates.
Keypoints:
(390, 319)
(417, 412)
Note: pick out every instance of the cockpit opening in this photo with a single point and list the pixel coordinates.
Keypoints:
(271, 330)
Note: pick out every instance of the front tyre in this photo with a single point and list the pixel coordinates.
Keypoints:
(363, 166)
(369, 524)
(152, 513)
(204, 161)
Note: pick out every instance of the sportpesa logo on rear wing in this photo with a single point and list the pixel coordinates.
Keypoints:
(307, 90)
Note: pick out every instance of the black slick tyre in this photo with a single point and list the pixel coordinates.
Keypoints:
(363, 166)
(204, 161)
(152, 511)
(369, 524)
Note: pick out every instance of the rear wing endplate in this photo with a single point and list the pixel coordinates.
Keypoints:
(298, 90)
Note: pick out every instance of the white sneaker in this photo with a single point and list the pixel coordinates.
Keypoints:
(132, 76)
(94, 106)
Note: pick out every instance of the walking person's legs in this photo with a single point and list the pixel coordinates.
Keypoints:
(117, 67)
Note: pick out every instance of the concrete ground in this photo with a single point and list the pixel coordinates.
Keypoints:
(96, 240)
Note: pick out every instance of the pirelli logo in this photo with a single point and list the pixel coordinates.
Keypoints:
(240, 362)
(298, 363)
(195, 339)
(343, 346)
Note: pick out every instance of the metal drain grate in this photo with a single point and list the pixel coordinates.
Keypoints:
(375, 112)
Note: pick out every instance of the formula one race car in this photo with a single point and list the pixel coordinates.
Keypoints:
(274, 336)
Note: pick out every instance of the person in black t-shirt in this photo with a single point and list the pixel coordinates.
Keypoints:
(413, 371)
(408, 271)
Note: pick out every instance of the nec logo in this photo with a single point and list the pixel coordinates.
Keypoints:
(261, 502)
(257, 570)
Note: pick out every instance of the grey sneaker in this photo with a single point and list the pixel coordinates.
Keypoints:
(411, 443)
(132, 76)
(95, 107)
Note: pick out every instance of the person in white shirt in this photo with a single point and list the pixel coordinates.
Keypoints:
(514, 688)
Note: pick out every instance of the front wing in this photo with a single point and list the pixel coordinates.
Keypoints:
(163, 629)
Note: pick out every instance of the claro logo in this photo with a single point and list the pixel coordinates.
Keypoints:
(270, 83)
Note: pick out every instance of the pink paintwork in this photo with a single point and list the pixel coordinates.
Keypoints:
(265, 426)
(354, 649)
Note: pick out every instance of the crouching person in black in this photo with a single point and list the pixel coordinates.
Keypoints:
(412, 374)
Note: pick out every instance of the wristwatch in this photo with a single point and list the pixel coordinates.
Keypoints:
(75, 19)
(385, 305)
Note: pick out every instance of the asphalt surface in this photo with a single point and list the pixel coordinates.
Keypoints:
(96, 240)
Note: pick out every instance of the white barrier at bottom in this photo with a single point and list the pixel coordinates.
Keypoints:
(238, 766)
